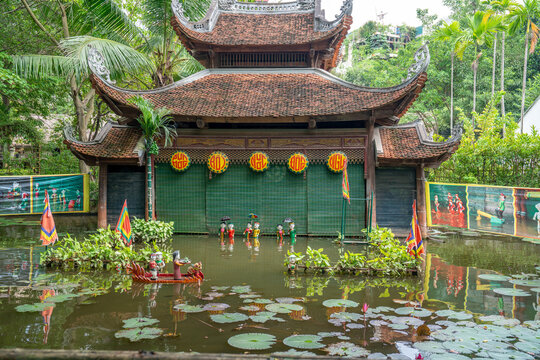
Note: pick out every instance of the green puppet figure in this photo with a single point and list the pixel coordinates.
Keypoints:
(292, 232)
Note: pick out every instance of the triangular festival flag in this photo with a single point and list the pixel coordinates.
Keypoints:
(124, 226)
(48, 229)
(414, 240)
(345, 184)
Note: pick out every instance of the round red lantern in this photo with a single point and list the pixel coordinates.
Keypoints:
(336, 161)
(258, 161)
(298, 163)
(180, 161)
(218, 162)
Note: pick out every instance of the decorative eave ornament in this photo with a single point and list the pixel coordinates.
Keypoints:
(336, 161)
(321, 24)
(298, 163)
(258, 161)
(180, 161)
(218, 162)
(96, 63)
(421, 62)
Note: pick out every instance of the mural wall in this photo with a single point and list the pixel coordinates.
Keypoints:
(20, 195)
(497, 209)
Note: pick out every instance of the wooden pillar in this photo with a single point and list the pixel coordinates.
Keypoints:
(370, 181)
(421, 199)
(102, 202)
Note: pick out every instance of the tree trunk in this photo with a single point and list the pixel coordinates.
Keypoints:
(524, 86)
(453, 55)
(494, 65)
(475, 69)
(503, 111)
(149, 192)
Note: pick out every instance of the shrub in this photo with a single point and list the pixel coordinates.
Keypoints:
(152, 231)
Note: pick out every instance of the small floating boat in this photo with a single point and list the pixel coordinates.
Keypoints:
(139, 274)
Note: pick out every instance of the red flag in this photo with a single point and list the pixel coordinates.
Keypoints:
(414, 240)
(345, 183)
(48, 229)
(124, 226)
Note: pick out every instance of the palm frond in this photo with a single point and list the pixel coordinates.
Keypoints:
(154, 122)
(42, 66)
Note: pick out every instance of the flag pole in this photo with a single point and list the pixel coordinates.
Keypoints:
(343, 216)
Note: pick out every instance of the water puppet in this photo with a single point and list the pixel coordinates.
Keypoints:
(292, 233)
(222, 229)
(231, 236)
(256, 234)
(153, 267)
(248, 232)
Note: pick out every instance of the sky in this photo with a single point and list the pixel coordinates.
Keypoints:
(398, 11)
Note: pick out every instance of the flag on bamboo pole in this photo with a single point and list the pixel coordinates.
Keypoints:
(415, 246)
(124, 226)
(48, 229)
(345, 184)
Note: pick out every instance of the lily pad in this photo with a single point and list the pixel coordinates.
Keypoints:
(398, 326)
(304, 341)
(189, 308)
(330, 303)
(139, 322)
(137, 334)
(413, 311)
(346, 349)
(248, 296)
(293, 352)
(34, 307)
(507, 322)
(250, 308)
(288, 300)
(330, 334)
(252, 341)
(283, 308)
(346, 316)
(510, 355)
(355, 326)
(528, 347)
(241, 289)
(228, 318)
(511, 292)
(462, 347)
(265, 316)
(491, 318)
(528, 283)
(61, 298)
(494, 277)
(533, 324)
(216, 307)
(460, 316)
(433, 347)
(445, 313)
(219, 288)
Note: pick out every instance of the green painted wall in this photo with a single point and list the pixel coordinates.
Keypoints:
(196, 203)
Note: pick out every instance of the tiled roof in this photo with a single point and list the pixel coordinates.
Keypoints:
(409, 142)
(260, 29)
(217, 93)
(113, 142)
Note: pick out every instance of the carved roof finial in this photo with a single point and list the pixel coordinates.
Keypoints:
(96, 63)
(421, 61)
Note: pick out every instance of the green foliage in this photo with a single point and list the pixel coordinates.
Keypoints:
(98, 250)
(486, 157)
(350, 261)
(152, 231)
(316, 258)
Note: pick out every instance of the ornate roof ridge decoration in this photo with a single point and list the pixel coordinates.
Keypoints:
(217, 7)
(421, 61)
(425, 138)
(69, 133)
(96, 63)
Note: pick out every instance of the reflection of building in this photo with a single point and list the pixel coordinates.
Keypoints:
(266, 89)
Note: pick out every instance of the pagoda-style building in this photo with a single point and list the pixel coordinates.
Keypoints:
(266, 128)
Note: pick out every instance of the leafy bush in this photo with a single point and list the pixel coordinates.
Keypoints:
(101, 249)
(152, 231)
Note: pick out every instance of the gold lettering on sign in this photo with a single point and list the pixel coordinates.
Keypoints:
(210, 142)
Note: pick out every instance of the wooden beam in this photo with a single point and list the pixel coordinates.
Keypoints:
(421, 199)
(102, 202)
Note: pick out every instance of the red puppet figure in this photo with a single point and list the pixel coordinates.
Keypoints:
(222, 229)
(451, 206)
(248, 232)
(459, 205)
(279, 234)
(231, 236)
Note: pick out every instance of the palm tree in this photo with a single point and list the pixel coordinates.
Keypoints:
(502, 7)
(451, 33)
(154, 123)
(480, 30)
(523, 16)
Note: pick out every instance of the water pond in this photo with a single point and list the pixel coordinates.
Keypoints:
(248, 303)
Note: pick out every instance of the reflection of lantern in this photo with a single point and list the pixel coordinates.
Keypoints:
(258, 161)
(336, 161)
(218, 162)
(298, 163)
(180, 161)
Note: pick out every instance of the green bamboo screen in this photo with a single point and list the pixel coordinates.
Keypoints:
(196, 203)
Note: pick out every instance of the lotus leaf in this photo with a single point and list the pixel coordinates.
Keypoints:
(61, 298)
(511, 292)
(510, 355)
(528, 347)
(462, 347)
(215, 307)
(262, 301)
(346, 349)
(34, 307)
(214, 294)
(339, 303)
(139, 322)
(248, 296)
(445, 323)
(413, 311)
(495, 346)
(444, 313)
(136, 334)
(491, 318)
(507, 322)
(288, 300)
(219, 288)
(330, 334)
(355, 326)
(533, 324)
(451, 357)
(536, 290)
(460, 316)
(494, 277)
(265, 316)
(380, 309)
(377, 356)
(304, 341)
(398, 326)
(528, 283)
(407, 320)
(250, 308)
(293, 352)
(432, 347)
(376, 323)
(347, 316)
(283, 308)
(189, 308)
(228, 318)
(241, 289)
(252, 341)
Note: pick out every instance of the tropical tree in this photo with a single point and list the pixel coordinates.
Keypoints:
(155, 123)
(523, 16)
(450, 33)
(480, 30)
